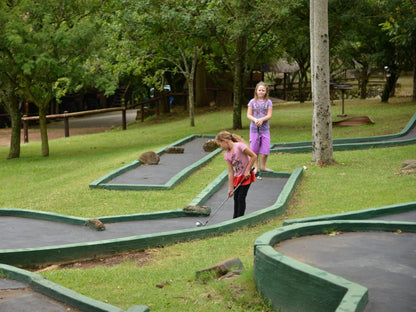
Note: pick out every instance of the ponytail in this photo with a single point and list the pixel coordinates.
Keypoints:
(221, 136)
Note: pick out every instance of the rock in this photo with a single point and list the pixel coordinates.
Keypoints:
(204, 210)
(222, 268)
(96, 224)
(174, 150)
(210, 145)
(408, 167)
(149, 158)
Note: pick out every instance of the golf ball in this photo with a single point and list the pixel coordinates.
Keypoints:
(198, 224)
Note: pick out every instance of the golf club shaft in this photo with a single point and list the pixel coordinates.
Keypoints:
(258, 154)
(223, 202)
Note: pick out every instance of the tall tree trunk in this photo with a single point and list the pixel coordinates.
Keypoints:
(312, 53)
(238, 88)
(201, 97)
(364, 76)
(322, 148)
(191, 89)
(414, 73)
(16, 120)
(44, 130)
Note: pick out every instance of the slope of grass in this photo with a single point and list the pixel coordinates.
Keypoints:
(362, 179)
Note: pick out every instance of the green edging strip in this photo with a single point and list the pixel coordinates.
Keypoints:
(278, 277)
(180, 176)
(48, 216)
(62, 253)
(360, 214)
(351, 143)
(60, 293)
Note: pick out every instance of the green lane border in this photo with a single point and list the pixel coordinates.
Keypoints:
(67, 296)
(359, 214)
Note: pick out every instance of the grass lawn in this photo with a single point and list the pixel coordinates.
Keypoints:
(59, 183)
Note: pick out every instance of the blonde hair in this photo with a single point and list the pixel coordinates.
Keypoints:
(261, 83)
(221, 136)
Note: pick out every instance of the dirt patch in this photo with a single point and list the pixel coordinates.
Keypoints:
(141, 258)
(354, 121)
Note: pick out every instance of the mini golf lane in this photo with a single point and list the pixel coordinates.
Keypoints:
(359, 261)
(31, 241)
(405, 137)
(171, 169)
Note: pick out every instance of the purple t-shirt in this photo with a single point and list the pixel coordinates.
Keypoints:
(260, 109)
(237, 158)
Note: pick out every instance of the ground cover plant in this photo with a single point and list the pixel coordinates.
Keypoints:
(164, 278)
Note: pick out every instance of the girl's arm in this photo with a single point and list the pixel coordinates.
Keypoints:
(250, 114)
(230, 179)
(253, 159)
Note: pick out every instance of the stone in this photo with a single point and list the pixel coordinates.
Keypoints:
(204, 210)
(408, 167)
(96, 224)
(210, 145)
(222, 268)
(149, 158)
(174, 150)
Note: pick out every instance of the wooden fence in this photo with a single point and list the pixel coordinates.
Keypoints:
(66, 115)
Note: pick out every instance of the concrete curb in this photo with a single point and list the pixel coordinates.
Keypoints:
(278, 277)
(60, 293)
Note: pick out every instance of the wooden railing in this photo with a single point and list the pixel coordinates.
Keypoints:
(66, 115)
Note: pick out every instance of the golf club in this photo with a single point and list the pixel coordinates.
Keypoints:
(200, 223)
(258, 154)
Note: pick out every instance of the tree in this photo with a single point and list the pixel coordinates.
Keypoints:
(296, 42)
(322, 149)
(246, 33)
(400, 25)
(47, 42)
(171, 37)
(9, 82)
(356, 38)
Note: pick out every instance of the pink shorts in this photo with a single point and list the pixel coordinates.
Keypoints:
(263, 139)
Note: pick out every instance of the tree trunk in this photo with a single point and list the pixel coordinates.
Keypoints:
(191, 89)
(201, 97)
(238, 81)
(364, 76)
(44, 130)
(16, 120)
(414, 73)
(322, 148)
(312, 53)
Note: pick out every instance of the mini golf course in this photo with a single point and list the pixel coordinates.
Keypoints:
(285, 274)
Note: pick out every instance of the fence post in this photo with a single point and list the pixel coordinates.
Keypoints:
(66, 124)
(123, 118)
(25, 130)
(142, 113)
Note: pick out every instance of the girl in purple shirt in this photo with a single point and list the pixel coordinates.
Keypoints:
(240, 159)
(259, 111)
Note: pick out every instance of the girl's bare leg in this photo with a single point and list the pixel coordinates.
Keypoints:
(263, 160)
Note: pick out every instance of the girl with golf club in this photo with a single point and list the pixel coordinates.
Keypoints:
(240, 159)
(259, 111)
